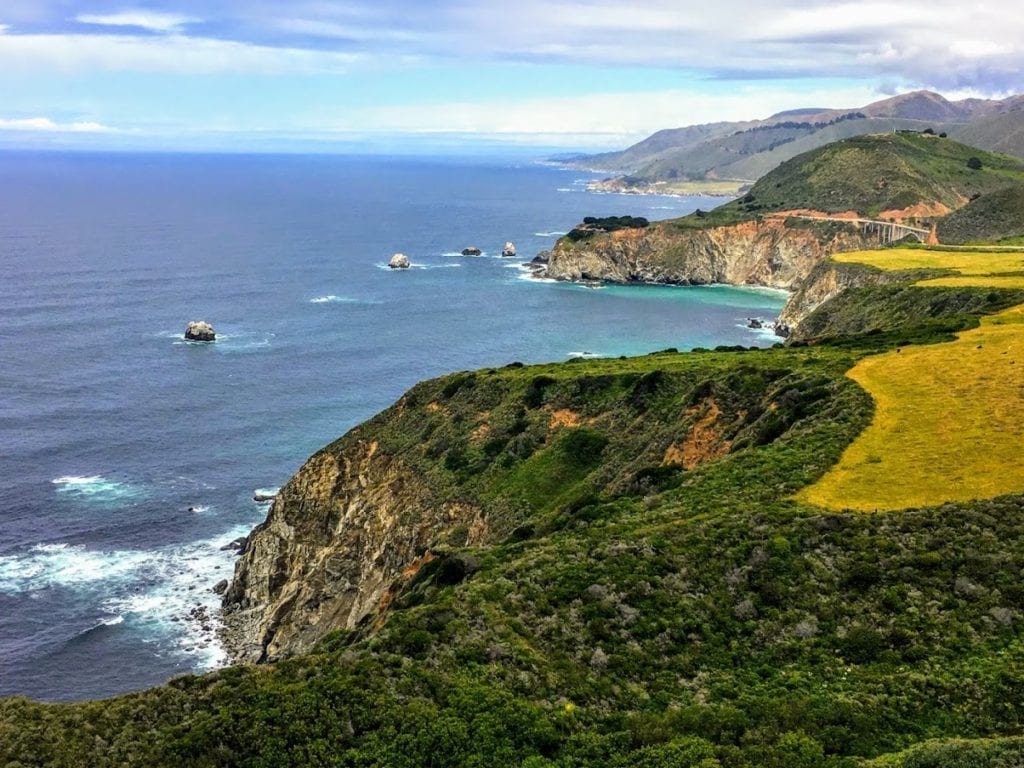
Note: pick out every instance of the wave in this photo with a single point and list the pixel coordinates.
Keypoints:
(332, 299)
(549, 234)
(240, 341)
(266, 492)
(565, 189)
(584, 355)
(94, 487)
(164, 594)
(417, 265)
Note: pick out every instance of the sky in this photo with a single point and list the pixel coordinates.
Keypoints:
(391, 74)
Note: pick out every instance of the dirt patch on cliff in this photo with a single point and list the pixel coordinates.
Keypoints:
(704, 443)
(564, 418)
(811, 213)
(917, 211)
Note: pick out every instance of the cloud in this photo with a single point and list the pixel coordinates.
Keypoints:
(166, 53)
(936, 43)
(47, 125)
(152, 21)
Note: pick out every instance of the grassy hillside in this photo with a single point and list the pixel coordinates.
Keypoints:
(995, 217)
(871, 174)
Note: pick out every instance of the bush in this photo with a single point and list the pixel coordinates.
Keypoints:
(974, 164)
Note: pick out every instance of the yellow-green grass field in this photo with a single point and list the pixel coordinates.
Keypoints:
(949, 418)
(978, 262)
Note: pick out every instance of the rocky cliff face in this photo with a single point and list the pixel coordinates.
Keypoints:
(350, 526)
(767, 253)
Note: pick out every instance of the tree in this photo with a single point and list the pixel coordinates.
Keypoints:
(974, 164)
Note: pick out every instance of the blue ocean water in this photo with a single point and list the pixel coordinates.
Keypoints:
(129, 457)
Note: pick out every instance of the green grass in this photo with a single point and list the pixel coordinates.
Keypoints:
(872, 174)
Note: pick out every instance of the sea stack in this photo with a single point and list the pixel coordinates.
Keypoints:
(471, 251)
(509, 250)
(399, 261)
(200, 330)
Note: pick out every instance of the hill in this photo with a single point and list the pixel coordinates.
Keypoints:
(994, 217)
(683, 159)
(878, 174)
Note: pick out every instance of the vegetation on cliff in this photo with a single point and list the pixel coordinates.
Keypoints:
(655, 596)
(995, 217)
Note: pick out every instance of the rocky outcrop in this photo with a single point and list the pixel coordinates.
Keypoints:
(509, 250)
(767, 253)
(341, 535)
(200, 330)
(399, 261)
(471, 251)
(826, 281)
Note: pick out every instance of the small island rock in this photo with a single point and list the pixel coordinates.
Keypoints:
(200, 330)
(471, 251)
(509, 250)
(754, 323)
(399, 261)
(220, 587)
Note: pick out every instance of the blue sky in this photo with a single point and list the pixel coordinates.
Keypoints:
(249, 74)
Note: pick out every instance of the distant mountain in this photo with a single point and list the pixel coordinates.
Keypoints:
(732, 155)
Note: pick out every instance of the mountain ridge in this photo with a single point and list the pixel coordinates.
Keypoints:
(692, 158)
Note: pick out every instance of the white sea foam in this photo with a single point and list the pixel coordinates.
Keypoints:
(94, 487)
(332, 299)
(65, 565)
(266, 492)
(151, 592)
(565, 189)
(585, 355)
(549, 234)
(199, 509)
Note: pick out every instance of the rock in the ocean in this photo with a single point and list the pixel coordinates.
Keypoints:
(200, 330)
(399, 261)
(262, 498)
(238, 545)
(471, 251)
(782, 330)
(220, 587)
(509, 250)
(754, 323)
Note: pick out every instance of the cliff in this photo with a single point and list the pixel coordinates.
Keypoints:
(350, 523)
(767, 253)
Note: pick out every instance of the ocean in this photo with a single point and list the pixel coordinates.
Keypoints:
(129, 457)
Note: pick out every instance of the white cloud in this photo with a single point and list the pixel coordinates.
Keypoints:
(47, 125)
(167, 53)
(155, 22)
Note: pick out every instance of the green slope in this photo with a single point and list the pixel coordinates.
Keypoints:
(638, 614)
(995, 217)
(871, 174)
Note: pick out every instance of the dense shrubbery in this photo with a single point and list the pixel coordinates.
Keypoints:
(632, 612)
(593, 225)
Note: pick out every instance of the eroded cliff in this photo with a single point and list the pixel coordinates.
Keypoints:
(352, 522)
(769, 252)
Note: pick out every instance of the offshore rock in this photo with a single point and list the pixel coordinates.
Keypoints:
(352, 524)
(200, 330)
(471, 251)
(509, 250)
(399, 261)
